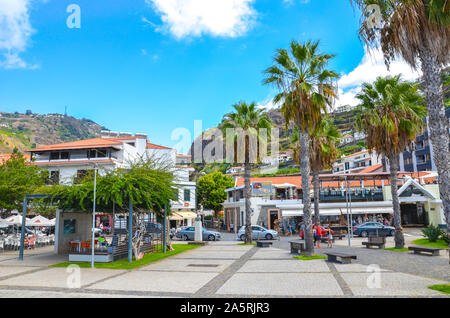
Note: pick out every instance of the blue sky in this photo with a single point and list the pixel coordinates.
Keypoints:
(152, 66)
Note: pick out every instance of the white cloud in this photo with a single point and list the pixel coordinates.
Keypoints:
(371, 67)
(267, 104)
(224, 18)
(15, 32)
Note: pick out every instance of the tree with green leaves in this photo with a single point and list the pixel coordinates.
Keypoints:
(307, 91)
(419, 32)
(323, 153)
(211, 190)
(392, 112)
(17, 179)
(246, 121)
(147, 184)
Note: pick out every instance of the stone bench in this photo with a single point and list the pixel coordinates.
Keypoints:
(379, 241)
(344, 258)
(425, 249)
(297, 247)
(263, 244)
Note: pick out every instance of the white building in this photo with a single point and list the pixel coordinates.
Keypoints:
(69, 161)
(356, 162)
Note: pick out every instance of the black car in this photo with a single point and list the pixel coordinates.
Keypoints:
(373, 228)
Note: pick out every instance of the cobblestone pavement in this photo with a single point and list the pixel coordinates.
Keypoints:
(226, 269)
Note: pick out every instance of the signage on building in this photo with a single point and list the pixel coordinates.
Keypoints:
(261, 188)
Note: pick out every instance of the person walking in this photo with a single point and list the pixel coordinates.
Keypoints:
(318, 235)
(330, 237)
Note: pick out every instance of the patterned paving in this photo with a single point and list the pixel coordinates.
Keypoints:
(222, 269)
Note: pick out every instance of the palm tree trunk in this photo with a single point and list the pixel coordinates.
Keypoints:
(247, 190)
(306, 188)
(399, 239)
(316, 185)
(438, 125)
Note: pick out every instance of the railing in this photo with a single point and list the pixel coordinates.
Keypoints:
(360, 194)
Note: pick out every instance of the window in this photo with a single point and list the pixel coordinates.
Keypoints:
(54, 155)
(97, 153)
(81, 174)
(176, 195)
(187, 195)
(59, 155)
(54, 177)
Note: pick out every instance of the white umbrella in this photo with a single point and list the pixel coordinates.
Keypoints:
(16, 220)
(3, 224)
(53, 221)
(40, 221)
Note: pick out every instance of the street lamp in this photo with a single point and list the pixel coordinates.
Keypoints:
(93, 217)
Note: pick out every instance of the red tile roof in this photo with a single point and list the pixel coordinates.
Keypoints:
(81, 144)
(375, 168)
(297, 180)
(68, 162)
(5, 157)
(153, 146)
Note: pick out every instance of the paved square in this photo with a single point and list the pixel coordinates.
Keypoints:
(358, 268)
(286, 284)
(202, 254)
(176, 282)
(59, 277)
(8, 270)
(287, 266)
(392, 284)
(272, 253)
(181, 265)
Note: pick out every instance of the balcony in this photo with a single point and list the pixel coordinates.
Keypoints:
(356, 195)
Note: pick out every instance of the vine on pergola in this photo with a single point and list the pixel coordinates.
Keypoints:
(148, 182)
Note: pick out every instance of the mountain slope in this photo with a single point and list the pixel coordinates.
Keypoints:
(25, 131)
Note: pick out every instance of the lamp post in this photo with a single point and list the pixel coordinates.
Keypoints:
(93, 218)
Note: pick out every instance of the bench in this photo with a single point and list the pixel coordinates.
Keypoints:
(379, 241)
(339, 236)
(297, 247)
(425, 249)
(263, 244)
(344, 258)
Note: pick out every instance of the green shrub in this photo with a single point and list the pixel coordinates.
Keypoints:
(432, 233)
(445, 237)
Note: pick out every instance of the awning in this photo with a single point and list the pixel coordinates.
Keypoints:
(339, 211)
(40, 221)
(16, 220)
(187, 215)
(175, 217)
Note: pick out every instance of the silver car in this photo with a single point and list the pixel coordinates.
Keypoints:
(258, 233)
(188, 234)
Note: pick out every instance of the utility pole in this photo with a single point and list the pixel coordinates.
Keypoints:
(93, 220)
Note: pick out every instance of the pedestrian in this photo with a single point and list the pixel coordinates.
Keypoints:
(318, 235)
(330, 237)
(231, 227)
(314, 229)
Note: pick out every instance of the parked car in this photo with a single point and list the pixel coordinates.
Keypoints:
(258, 233)
(375, 228)
(188, 234)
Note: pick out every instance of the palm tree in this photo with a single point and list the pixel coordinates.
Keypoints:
(306, 91)
(392, 113)
(249, 119)
(418, 31)
(323, 153)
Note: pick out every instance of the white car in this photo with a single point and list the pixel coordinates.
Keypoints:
(258, 233)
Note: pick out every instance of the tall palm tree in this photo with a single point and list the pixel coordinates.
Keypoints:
(392, 113)
(249, 119)
(323, 153)
(418, 31)
(306, 91)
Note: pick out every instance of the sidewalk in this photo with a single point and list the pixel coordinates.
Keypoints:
(221, 269)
